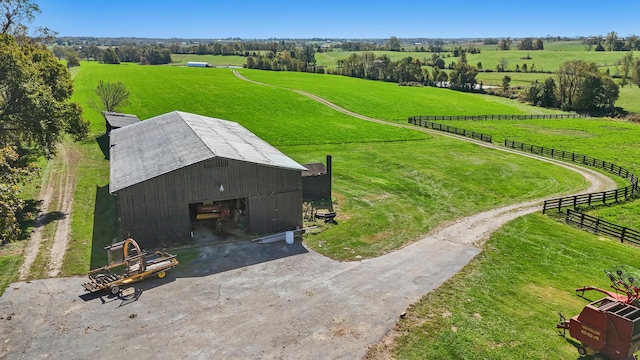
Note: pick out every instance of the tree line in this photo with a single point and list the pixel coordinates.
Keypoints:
(612, 42)
(35, 111)
(300, 59)
(145, 55)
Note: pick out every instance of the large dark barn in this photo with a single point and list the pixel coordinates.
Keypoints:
(179, 168)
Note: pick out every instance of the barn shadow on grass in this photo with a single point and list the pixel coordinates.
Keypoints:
(103, 142)
(105, 225)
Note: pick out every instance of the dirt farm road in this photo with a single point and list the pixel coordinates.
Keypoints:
(248, 301)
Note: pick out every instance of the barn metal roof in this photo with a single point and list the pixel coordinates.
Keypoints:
(314, 169)
(177, 139)
(118, 120)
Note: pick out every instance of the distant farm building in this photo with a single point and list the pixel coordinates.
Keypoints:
(115, 120)
(174, 170)
(198, 64)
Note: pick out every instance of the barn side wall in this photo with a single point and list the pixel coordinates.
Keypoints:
(316, 187)
(156, 212)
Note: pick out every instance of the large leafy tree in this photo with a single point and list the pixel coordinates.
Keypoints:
(14, 14)
(463, 76)
(13, 173)
(34, 114)
(34, 92)
(582, 87)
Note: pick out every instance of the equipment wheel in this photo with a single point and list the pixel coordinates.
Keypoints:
(114, 289)
(582, 351)
(162, 274)
(600, 357)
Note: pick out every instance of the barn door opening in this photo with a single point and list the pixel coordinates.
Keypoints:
(218, 218)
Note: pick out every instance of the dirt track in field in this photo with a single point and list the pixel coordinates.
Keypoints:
(56, 198)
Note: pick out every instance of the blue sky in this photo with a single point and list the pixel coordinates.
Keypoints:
(338, 19)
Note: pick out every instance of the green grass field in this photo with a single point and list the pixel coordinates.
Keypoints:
(504, 304)
(377, 168)
(547, 60)
(610, 140)
(215, 60)
(391, 185)
(389, 101)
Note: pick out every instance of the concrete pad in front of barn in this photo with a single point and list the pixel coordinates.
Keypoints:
(239, 300)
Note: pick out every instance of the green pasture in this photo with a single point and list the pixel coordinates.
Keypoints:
(504, 303)
(379, 168)
(607, 139)
(517, 78)
(547, 60)
(629, 98)
(215, 60)
(391, 186)
(388, 101)
(610, 140)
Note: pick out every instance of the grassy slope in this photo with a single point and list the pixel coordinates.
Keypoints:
(501, 307)
(307, 131)
(555, 53)
(606, 139)
(389, 101)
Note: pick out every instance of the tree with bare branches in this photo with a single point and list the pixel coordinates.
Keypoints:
(111, 96)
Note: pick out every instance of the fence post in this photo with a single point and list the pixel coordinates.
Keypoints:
(624, 231)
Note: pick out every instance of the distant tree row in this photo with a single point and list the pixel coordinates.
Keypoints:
(407, 71)
(525, 44)
(286, 60)
(35, 111)
(612, 42)
(241, 48)
(146, 55)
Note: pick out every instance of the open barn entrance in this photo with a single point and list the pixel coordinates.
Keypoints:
(219, 220)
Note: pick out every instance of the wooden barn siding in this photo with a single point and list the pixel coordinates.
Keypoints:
(275, 212)
(156, 211)
(316, 187)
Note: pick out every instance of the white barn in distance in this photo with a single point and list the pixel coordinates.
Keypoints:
(198, 64)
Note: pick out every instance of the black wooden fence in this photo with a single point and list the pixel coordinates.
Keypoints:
(576, 158)
(597, 226)
(451, 129)
(599, 198)
(498, 117)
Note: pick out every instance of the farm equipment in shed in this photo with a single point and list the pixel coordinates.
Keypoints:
(608, 328)
(127, 264)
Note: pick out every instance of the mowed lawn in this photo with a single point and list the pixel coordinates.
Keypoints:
(388, 101)
(390, 183)
(611, 140)
(504, 304)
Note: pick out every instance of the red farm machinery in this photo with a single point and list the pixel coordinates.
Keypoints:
(609, 328)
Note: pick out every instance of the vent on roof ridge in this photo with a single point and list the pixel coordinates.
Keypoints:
(215, 163)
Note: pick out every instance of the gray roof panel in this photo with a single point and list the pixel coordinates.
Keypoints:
(177, 139)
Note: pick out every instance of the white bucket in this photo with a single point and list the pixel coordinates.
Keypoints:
(288, 237)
